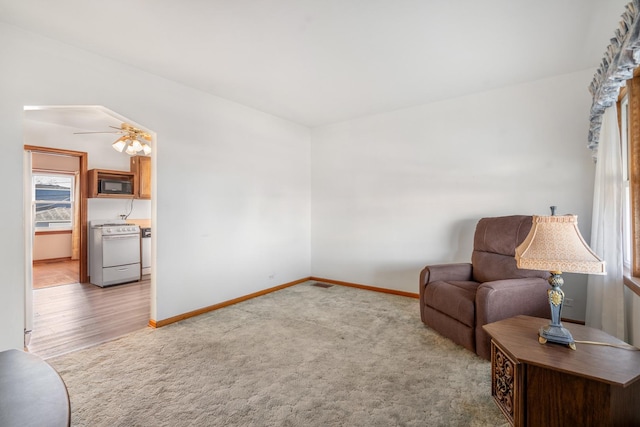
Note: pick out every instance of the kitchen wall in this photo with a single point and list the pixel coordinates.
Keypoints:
(231, 199)
(397, 191)
(51, 246)
(100, 155)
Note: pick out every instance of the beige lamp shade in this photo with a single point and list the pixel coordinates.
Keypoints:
(555, 244)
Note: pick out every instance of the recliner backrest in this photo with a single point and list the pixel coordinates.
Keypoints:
(494, 248)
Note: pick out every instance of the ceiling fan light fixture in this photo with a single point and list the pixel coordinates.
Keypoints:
(132, 142)
(130, 151)
(135, 144)
(120, 144)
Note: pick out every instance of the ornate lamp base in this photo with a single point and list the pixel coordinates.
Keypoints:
(557, 334)
(554, 331)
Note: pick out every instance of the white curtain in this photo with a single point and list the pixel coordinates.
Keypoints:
(605, 296)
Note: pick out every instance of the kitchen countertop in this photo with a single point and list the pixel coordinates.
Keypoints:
(143, 223)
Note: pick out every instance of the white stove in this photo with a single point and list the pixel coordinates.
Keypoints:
(114, 252)
(113, 228)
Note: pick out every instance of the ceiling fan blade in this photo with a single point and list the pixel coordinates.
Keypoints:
(83, 133)
(124, 129)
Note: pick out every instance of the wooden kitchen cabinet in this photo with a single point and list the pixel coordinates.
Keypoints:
(96, 176)
(141, 167)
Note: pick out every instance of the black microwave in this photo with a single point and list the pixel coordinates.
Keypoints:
(112, 186)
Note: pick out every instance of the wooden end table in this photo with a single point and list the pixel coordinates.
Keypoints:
(551, 385)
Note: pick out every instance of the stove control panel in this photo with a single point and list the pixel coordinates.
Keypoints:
(120, 229)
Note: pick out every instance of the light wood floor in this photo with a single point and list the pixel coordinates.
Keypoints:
(75, 316)
(54, 273)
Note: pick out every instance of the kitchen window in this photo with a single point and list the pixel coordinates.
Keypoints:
(53, 200)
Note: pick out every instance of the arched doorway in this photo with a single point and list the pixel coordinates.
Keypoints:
(62, 130)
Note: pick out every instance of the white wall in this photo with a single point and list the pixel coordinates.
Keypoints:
(52, 246)
(397, 191)
(232, 194)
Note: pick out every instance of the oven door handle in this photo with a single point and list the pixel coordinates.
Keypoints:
(121, 237)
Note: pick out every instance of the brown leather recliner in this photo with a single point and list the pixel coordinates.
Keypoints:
(457, 299)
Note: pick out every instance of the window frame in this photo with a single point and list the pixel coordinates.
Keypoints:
(632, 91)
(53, 230)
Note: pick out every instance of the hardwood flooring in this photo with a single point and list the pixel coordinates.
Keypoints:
(79, 315)
(54, 273)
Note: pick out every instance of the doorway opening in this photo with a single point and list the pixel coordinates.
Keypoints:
(58, 216)
(63, 311)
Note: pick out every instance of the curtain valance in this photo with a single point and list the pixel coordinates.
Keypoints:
(620, 59)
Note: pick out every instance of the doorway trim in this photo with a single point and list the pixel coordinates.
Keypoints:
(83, 160)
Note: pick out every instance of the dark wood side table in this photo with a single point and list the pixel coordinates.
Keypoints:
(31, 392)
(551, 385)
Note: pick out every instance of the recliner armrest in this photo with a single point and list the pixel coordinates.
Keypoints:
(433, 273)
(502, 299)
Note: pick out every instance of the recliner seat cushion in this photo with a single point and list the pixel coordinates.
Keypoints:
(456, 299)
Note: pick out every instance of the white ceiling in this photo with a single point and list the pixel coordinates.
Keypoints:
(321, 61)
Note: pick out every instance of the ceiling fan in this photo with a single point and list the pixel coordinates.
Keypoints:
(132, 142)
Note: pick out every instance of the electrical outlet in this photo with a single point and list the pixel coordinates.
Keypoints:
(272, 276)
(568, 302)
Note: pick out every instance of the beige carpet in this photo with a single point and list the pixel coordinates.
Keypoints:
(302, 356)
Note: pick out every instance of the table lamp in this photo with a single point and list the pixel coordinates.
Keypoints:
(555, 244)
